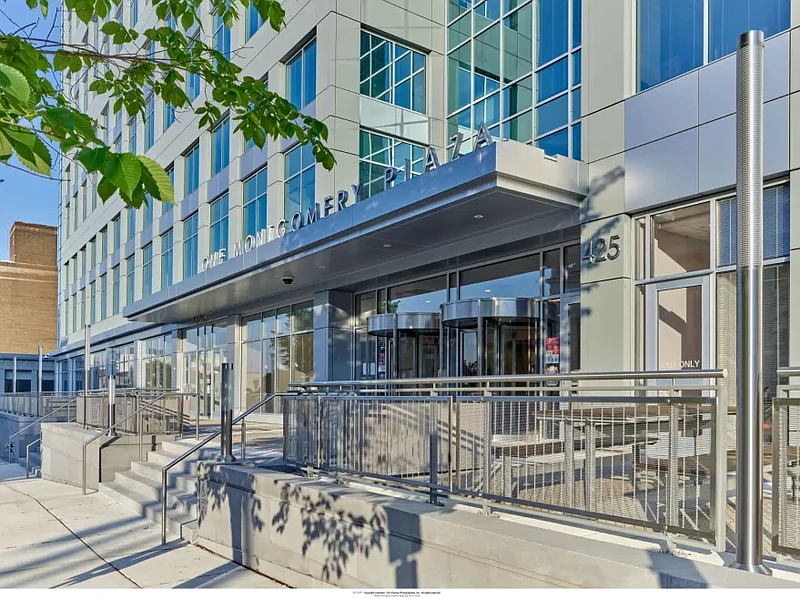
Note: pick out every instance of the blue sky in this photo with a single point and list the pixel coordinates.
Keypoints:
(24, 196)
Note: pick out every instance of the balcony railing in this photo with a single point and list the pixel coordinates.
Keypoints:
(643, 448)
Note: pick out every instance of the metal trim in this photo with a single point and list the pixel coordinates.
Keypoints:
(384, 325)
(461, 313)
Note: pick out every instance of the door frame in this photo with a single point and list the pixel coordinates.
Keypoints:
(651, 319)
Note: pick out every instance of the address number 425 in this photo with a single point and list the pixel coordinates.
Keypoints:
(601, 249)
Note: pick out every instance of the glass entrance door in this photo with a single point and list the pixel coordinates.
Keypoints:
(677, 329)
(209, 368)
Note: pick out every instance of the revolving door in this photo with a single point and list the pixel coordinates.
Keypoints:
(492, 336)
(408, 344)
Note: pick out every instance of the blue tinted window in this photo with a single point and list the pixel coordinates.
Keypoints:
(254, 21)
(301, 76)
(255, 203)
(731, 18)
(552, 115)
(670, 39)
(192, 171)
(552, 80)
(219, 224)
(221, 145)
(190, 246)
(555, 144)
(553, 30)
(222, 37)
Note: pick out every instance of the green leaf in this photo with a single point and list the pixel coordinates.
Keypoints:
(5, 147)
(154, 173)
(31, 151)
(14, 83)
(112, 27)
(84, 127)
(61, 61)
(187, 20)
(124, 171)
(92, 158)
(105, 189)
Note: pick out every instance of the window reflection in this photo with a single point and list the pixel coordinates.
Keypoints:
(513, 278)
(681, 240)
(420, 296)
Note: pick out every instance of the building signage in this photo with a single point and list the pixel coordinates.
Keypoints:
(339, 202)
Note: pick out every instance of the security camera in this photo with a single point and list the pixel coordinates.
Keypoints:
(287, 280)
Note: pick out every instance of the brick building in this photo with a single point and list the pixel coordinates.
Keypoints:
(28, 290)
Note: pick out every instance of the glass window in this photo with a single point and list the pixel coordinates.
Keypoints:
(392, 72)
(166, 260)
(572, 268)
(103, 297)
(681, 240)
(150, 121)
(190, 246)
(192, 85)
(254, 21)
(169, 115)
(131, 216)
(255, 203)
(513, 278)
(166, 206)
(301, 76)
(102, 248)
(134, 12)
(130, 280)
(300, 182)
(419, 296)
(148, 210)
(670, 39)
(222, 37)
(191, 175)
(133, 146)
(730, 18)
(379, 152)
(147, 270)
(221, 146)
(115, 291)
(92, 302)
(116, 225)
(219, 223)
(775, 226)
(497, 88)
(551, 272)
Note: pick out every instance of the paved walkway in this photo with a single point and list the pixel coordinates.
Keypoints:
(51, 536)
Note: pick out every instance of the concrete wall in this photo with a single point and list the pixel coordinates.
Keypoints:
(62, 454)
(309, 533)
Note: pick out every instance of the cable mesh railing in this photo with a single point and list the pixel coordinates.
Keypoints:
(34, 405)
(637, 448)
(785, 471)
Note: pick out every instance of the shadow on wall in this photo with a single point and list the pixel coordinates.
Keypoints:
(379, 544)
(590, 212)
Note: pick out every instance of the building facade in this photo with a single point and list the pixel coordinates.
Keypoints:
(28, 290)
(521, 186)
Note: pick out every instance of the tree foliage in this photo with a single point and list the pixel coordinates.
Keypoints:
(39, 118)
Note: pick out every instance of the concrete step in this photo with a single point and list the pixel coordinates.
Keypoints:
(179, 521)
(175, 480)
(141, 485)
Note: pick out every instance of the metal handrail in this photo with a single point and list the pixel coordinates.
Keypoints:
(116, 424)
(789, 371)
(525, 378)
(165, 470)
(39, 422)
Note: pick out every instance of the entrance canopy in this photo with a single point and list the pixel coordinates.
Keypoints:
(501, 193)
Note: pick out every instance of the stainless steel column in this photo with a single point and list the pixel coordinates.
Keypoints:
(112, 406)
(14, 377)
(39, 381)
(86, 349)
(749, 274)
(226, 414)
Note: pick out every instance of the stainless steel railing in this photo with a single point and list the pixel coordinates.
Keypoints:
(240, 419)
(69, 407)
(641, 448)
(34, 404)
(153, 417)
(785, 445)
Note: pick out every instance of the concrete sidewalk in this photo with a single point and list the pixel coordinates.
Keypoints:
(51, 536)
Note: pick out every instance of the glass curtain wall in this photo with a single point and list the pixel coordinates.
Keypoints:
(121, 364)
(516, 67)
(204, 352)
(677, 36)
(158, 363)
(277, 348)
(379, 152)
(696, 245)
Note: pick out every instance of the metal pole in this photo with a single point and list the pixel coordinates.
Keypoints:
(749, 274)
(226, 414)
(39, 385)
(14, 377)
(86, 348)
(112, 405)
